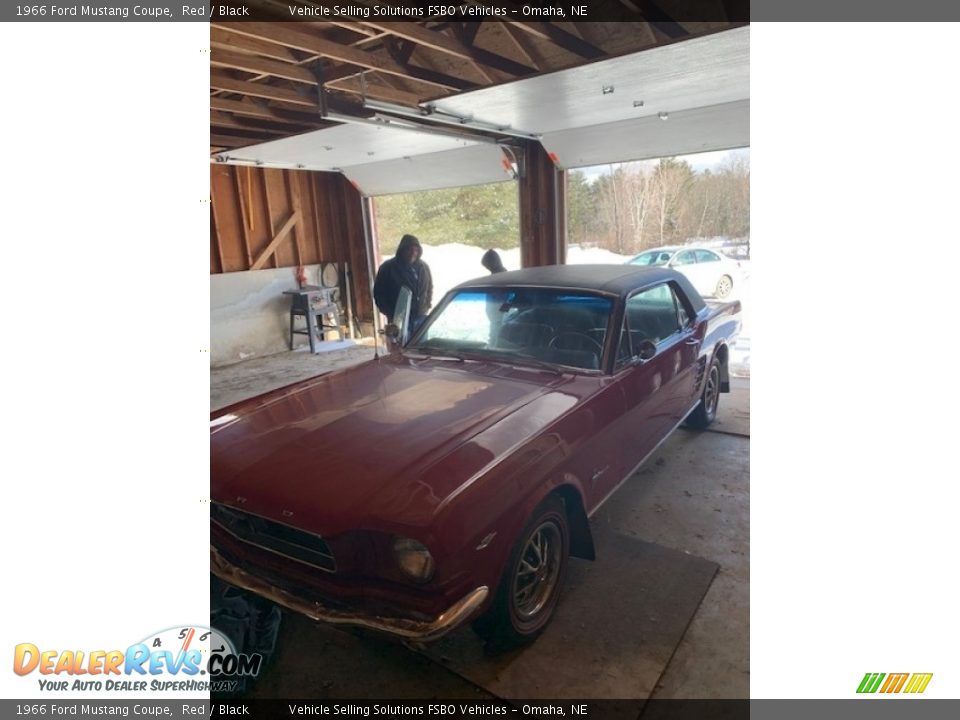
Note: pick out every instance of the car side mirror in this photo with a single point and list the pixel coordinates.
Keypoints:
(646, 350)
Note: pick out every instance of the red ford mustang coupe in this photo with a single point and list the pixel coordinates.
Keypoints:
(450, 480)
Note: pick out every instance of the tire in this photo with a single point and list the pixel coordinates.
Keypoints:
(521, 610)
(724, 286)
(706, 410)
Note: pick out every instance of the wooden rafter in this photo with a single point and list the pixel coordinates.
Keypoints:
(560, 37)
(401, 52)
(231, 141)
(522, 43)
(452, 46)
(225, 40)
(355, 86)
(284, 34)
(219, 81)
(256, 110)
(260, 66)
(224, 120)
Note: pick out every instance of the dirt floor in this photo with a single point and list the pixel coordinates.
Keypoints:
(692, 495)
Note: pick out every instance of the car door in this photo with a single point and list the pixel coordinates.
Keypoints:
(685, 261)
(658, 391)
(709, 270)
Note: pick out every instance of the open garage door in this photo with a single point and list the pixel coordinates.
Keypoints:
(687, 97)
(676, 99)
(381, 159)
(719, 127)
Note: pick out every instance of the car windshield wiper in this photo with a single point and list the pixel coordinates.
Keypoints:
(435, 353)
(506, 356)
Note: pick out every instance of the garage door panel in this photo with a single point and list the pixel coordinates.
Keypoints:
(334, 148)
(719, 127)
(475, 165)
(705, 71)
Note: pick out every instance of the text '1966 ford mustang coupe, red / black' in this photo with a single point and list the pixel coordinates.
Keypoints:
(450, 480)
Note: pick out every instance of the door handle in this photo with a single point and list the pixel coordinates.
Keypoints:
(693, 341)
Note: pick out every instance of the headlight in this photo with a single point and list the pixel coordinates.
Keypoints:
(413, 558)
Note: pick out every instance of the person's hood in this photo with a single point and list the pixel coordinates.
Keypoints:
(405, 242)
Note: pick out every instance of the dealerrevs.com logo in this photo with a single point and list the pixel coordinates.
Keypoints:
(189, 658)
(911, 683)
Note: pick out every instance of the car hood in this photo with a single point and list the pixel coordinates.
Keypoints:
(357, 446)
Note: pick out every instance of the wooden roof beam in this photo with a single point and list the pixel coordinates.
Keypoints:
(373, 90)
(260, 66)
(224, 40)
(522, 43)
(219, 81)
(261, 111)
(561, 38)
(452, 46)
(283, 34)
(225, 120)
(231, 141)
(401, 53)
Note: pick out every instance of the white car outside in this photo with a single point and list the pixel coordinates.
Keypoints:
(711, 273)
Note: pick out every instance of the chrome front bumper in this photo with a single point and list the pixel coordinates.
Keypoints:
(420, 630)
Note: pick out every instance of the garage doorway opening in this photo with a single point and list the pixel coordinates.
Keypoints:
(617, 211)
(455, 226)
(690, 212)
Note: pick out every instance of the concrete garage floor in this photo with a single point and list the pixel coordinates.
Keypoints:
(692, 495)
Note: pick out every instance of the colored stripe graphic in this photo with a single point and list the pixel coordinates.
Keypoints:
(894, 682)
(870, 682)
(918, 683)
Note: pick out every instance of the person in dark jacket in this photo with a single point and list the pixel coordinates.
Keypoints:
(405, 269)
(492, 262)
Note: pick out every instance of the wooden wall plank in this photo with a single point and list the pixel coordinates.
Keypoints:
(330, 226)
(227, 214)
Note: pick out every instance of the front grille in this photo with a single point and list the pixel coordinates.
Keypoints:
(273, 536)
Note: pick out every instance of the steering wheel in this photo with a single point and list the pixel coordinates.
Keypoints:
(582, 339)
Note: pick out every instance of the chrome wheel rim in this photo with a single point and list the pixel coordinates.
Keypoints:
(724, 286)
(711, 394)
(537, 571)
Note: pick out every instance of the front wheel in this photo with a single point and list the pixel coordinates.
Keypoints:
(724, 286)
(528, 591)
(706, 410)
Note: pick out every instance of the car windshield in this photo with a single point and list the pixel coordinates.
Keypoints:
(535, 326)
(652, 257)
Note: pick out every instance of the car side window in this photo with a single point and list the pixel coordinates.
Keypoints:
(652, 315)
(705, 256)
(684, 257)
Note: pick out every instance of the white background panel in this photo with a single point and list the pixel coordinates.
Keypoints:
(705, 71)
(472, 165)
(349, 144)
(692, 131)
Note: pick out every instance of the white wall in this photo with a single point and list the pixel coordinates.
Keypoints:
(250, 315)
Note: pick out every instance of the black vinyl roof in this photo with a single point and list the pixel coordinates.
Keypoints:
(618, 280)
